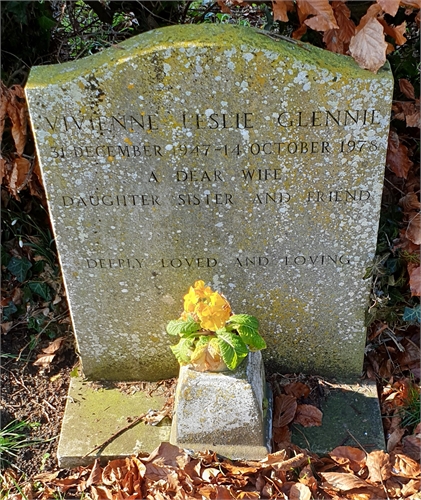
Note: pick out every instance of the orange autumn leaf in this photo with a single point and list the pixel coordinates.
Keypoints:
(284, 411)
(389, 6)
(348, 455)
(280, 9)
(396, 32)
(308, 416)
(281, 435)
(297, 389)
(413, 231)
(323, 18)
(397, 156)
(406, 87)
(346, 25)
(368, 46)
(410, 202)
(223, 6)
(343, 481)
(405, 466)
(379, 467)
(414, 279)
(299, 491)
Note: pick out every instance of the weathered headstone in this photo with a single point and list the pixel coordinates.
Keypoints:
(213, 153)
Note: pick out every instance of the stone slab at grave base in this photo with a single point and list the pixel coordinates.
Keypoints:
(351, 417)
(95, 412)
(225, 412)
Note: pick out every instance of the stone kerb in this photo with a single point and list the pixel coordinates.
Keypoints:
(214, 153)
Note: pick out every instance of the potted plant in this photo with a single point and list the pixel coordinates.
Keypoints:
(211, 337)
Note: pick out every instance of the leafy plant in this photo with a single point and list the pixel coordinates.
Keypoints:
(13, 437)
(211, 337)
(410, 412)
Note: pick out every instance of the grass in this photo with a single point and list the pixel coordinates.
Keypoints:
(13, 437)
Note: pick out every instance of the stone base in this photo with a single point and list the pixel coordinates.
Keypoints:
(94, 413)
(225, 412)
(351, 417)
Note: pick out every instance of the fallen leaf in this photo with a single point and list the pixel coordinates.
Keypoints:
(411, 446)
(413, 231)
(95, 476)
(346, 25)
(415, 280)
(223, 6)
(308, 416)
(284, 410)
(291, 463)
(299, 491)
(348, 455)
(273, 458)
(297, 389)
(378, 464)
(368, 46)
(410, 202)
(343, 481)
(280, 9)
(323, 18)
(405, 466)
(281, 435)
(411, 488)
(389, 6)
(412, 3)
(396, 32)
(54, 346)
(18, 176)
(394, 439)
(397, 156)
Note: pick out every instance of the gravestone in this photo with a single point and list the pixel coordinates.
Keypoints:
(215, 153)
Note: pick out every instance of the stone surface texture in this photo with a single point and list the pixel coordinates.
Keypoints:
(94, 413)
(351, 417)
(224, 412)
(215, 153)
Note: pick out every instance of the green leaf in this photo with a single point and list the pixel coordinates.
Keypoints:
(251, 338)
(412, 315)
(233, 349)
(237, 320)
(41, 289)
(181, 326)
(19, 268)
(183, 350)
(200, 345)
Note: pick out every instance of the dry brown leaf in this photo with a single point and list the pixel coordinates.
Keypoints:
(274, 458)
(21, 167)
(368, 46)
(411, 446)
(333, 42)
(405, 466)
(406, 88)
(348, 455)
(43, 360)
(54, 346)
(168, 454)
(223, 6)
(414, 280)
(281, 435)
(397, 156)
(308, 416)
(389, 6)
(299, 491)
(323, 18)
(396, 32)
(17, 112)
(416, 4)
(3, 106)
(410, 202)
(411, 488)
(378, 464)
(346, 25)
(280, 9)
(291, 463)
(413, 231)
(394, 439)
(101, 493)
(95, 476)
(284, 410)
(247, 495)
(343, 481)
(297, 389)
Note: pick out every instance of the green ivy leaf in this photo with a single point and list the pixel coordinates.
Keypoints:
(19, 268)
(41, 289)
(233, 349)
(181, 327)
(412, 315)
(182, 351)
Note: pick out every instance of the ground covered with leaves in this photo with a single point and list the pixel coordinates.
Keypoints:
(38, 354)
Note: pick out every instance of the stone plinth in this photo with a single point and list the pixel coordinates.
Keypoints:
(225, 412)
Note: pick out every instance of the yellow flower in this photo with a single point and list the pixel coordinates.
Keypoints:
(212, 310)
